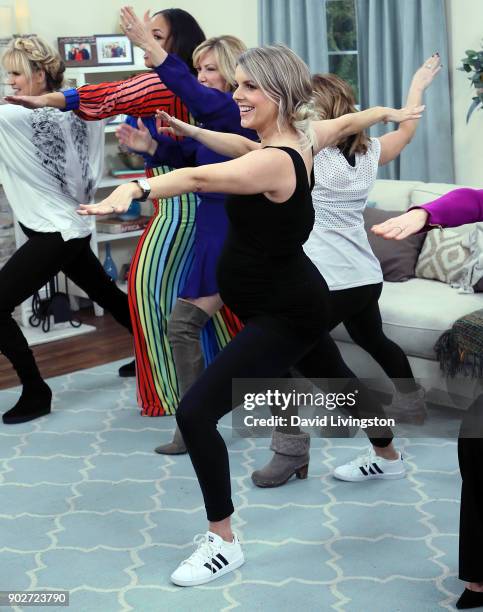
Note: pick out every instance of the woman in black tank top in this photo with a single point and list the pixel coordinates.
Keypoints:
(263, 269)
(264, 275)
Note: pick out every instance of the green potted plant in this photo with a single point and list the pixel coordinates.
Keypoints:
(473, 64)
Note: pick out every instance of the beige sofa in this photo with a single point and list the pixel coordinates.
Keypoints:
(415, 313)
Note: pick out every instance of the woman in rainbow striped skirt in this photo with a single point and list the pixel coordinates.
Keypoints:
(164, 255)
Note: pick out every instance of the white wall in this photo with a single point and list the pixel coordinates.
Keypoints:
(56, 18)
(53, 18)
(466, 31)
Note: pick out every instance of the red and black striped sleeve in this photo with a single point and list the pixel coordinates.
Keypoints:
(141, 96)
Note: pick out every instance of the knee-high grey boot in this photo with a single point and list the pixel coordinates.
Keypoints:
(184, 330)
(291, 456)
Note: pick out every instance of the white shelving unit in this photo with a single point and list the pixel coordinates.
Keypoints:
(104, 237)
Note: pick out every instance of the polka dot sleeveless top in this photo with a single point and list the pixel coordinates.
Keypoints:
(338, 244)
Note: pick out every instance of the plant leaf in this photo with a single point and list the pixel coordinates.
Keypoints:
(474, 105)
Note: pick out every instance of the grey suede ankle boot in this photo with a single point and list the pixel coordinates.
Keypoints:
(408, 407)
(291, 456)
(175, 447)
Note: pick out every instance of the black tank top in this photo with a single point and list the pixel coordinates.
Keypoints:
(263, 269)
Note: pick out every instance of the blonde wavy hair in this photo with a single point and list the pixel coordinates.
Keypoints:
(334, 97)
(227, 50)
(31, 54)
(285, 79)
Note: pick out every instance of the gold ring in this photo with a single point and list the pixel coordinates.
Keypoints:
(399, 228)
(129, 26)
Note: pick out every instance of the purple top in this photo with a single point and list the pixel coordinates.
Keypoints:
(208, 105)
(215, 109)
(455, 208)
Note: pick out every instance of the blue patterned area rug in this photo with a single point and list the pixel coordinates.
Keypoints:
(88, 507)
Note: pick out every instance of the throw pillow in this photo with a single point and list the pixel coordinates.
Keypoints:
(473, 270)
(453, 258)
(397, 257)
(442, 257)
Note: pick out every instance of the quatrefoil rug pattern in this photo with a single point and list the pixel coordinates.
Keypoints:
(88, 507)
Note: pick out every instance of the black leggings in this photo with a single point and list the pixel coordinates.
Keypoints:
(358, 309)
(470, 455)
(30, 268)
(262, 349)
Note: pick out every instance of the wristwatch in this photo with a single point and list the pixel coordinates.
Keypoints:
(144, 186)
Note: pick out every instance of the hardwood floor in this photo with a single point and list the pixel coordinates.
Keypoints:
(109, 342)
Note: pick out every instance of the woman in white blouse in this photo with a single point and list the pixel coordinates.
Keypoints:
(49, 163)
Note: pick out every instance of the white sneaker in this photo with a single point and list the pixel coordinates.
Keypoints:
(213, 558)
(370, 466)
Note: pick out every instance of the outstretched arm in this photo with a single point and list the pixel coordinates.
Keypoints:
(331, 131)
(268, 171)
(141, 96)
(455, 208)
(393, 143)
(229, 145)
(55, 99)
(327, 132)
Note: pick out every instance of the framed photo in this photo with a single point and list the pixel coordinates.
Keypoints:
(78, 50)
(114, 49)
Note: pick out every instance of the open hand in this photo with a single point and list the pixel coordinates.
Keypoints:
(138, 32)
(408, 113)
(174, 127)
(137, 139)
(423, 77)
(117, 202)
(31, 102)
(402, 226)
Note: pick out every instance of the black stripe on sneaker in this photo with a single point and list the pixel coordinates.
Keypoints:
(363, 471)
(372, 471)
(222, 559)
(377, 468)
(208, 566)
(217, 563)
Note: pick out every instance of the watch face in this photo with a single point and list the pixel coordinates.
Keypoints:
(143, 183)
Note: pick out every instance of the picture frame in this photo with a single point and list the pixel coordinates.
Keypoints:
(78, 51)
(114, 49)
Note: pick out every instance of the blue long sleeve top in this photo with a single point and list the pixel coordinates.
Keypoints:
(213, 109)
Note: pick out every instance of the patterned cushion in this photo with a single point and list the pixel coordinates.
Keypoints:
(442, 257)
